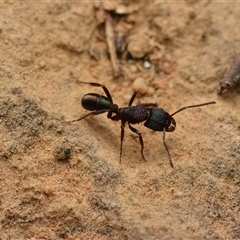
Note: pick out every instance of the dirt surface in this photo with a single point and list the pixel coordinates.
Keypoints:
(65, 181)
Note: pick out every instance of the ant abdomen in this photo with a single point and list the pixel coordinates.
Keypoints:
(94, 101)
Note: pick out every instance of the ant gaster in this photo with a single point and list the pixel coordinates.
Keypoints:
(155, 118)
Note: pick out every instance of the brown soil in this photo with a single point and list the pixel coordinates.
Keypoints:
(65, 181)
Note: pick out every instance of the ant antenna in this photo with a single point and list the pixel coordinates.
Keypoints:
(192, 106)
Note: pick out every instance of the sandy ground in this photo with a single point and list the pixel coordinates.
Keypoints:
(65, 181)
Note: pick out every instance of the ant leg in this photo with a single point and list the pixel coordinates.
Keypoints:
(96, 85)
(122, 137)
(92, 113)
(165, 145)
(139, 137)
(132, 98)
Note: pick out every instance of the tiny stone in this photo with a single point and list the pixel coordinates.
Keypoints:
(62, 153)
(140, 85)
(151, 91)
(41, 64)
(147, 64)
(138, 45)
(133, 68)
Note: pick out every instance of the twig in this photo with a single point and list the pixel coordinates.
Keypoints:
(231, 78)
(111, 44)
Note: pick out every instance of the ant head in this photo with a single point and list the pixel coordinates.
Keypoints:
(159, 120)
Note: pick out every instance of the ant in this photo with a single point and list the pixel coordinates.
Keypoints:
(155, 118)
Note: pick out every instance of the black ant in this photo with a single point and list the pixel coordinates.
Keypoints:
(155, 118)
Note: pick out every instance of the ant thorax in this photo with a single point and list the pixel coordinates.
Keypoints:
(134, 114)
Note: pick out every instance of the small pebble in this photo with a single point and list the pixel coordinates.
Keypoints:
(41, 64)
(138, 45)
(62, 153)
(94, 53)
(147, 64)
(140, 85)
(133, 68)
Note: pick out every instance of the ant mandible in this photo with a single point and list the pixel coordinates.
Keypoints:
(155, 118)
